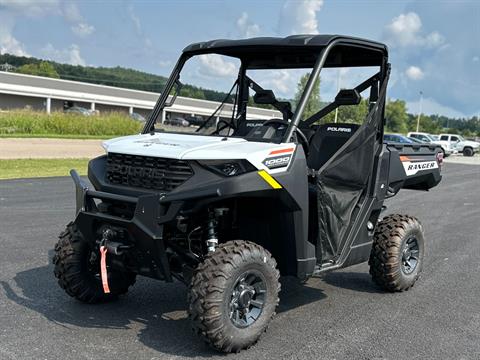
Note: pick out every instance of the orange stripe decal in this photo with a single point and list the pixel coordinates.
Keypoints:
(404, 158)
(281, 151)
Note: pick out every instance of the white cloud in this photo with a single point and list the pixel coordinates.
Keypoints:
(8, 43)
(164, 63)
(32, 8)
(281, 81)
(215, 65)
(414, 73)
(135, 20)
(137, 24)
(405, 30)
(72, 13)
(79, 26)
(300, 17)
(432, 107)
(70, 55)
(246, 27)
(83, 29)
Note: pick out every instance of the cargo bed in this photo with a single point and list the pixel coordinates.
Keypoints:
(413, 166)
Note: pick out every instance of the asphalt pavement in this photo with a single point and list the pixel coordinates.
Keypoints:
(340, 316)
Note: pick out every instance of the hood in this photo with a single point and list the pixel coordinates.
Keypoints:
(473, 144)
(186, 146)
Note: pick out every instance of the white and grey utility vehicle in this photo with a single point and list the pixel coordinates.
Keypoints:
(229, 206)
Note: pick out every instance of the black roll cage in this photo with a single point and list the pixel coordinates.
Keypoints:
(244, 82)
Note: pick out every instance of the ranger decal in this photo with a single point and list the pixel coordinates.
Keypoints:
(411, 166)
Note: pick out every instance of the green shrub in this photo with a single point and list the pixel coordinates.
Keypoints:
(26, 122)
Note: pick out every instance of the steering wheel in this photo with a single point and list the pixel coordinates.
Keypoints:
(301, 135)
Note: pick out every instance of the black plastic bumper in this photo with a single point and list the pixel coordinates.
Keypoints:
(144, 229)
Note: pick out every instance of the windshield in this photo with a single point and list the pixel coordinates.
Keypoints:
(263, 96)
(206, 98)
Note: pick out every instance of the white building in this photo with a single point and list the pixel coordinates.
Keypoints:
(19, 91)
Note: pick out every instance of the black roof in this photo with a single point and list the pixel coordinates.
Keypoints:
(295, 51)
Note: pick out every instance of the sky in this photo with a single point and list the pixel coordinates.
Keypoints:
(434, 45)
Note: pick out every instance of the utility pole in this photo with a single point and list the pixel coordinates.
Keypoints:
(420, 112)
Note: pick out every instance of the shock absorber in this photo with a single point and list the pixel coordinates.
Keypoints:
(212, 240)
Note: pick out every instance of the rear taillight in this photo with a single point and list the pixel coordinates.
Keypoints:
(440, 159)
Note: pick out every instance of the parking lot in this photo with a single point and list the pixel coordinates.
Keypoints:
(340, 316)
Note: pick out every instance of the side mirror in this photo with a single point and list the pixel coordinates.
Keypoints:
(348, 97)
(264, 97)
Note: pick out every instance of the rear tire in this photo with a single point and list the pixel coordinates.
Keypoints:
(233, 295)
(396, 258)
(77, 267)
(467, 151)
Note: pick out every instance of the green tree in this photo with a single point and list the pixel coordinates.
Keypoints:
(396, 116)
(313, 104)
(349, 114)
(44, 68)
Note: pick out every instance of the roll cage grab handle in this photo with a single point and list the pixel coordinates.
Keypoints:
(319, 64)
(317, 68)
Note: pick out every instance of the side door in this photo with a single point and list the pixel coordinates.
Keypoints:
(456, 143)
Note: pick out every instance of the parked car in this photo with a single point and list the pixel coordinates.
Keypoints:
(417, 141)
(195, 120)
(433, 139)
(396, 138)
(137, 117)
(80, 110)
(177, 121)
(466, 147)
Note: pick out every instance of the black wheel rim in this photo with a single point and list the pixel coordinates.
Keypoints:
(410, 255)
(247, 299)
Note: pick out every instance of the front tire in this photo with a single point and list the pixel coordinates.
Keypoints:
(468, 152)
(77, 266)
(233, 295)
(396, 258)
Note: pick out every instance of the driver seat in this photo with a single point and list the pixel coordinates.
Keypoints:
(327, 140)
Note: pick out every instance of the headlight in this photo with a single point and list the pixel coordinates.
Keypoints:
(228, 167)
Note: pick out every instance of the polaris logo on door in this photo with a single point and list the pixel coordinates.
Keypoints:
(277, 161)
(411, 168)
(339, 129)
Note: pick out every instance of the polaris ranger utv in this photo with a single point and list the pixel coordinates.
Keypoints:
(229, 206)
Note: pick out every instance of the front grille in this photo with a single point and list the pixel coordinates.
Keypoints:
(147, 172)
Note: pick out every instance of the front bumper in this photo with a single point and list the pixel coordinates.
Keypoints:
(144, 229)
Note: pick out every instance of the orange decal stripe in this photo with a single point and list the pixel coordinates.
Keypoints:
(281, 151)
(404, 158)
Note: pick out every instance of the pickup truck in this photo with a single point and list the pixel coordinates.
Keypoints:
(466, 147)
(447, 147)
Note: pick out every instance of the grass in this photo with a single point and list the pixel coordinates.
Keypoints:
(31, 168)
(27, 123)
(55, 136)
